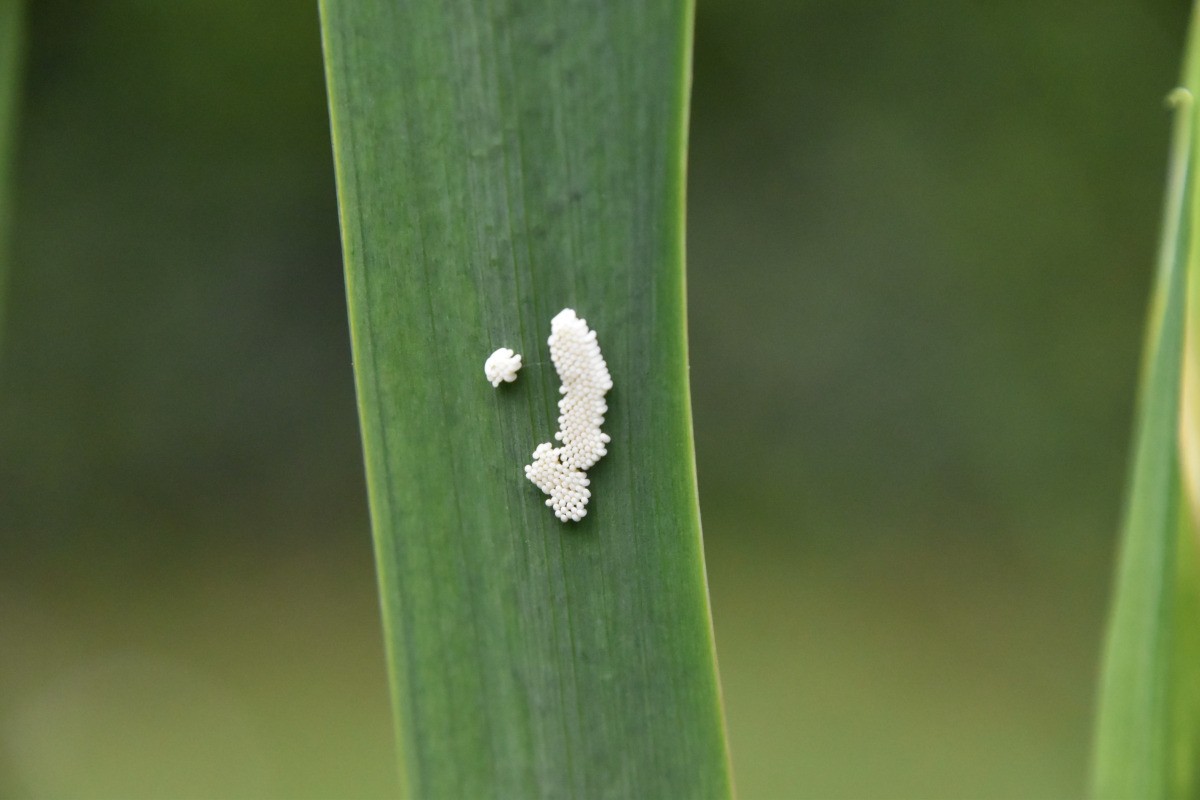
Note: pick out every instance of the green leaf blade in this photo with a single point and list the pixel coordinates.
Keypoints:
(498, 162)
(1146, 721)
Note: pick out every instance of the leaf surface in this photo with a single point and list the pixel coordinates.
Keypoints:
(499, 161)
(1146, 739)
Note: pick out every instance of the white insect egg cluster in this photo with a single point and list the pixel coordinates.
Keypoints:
(560, 471)
(502, 365)
(568, 488)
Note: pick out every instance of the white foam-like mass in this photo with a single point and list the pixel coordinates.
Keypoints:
(561, 471)
(502, 365)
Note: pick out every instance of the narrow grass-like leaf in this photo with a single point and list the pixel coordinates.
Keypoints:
(498, 161)
(1146, 726)
(10, 63)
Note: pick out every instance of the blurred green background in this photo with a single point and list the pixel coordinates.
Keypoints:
(921, 238)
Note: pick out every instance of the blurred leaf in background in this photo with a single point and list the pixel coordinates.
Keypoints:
(921, 241)
(187, 605)
(11, 30)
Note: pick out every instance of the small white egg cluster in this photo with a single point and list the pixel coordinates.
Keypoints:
(559, 471)
(502, 365)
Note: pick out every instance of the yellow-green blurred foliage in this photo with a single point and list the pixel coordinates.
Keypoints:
(920, 246)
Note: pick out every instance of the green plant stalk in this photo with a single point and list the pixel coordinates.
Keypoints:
(497, 162)
(1146, 737)
(11, 15)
